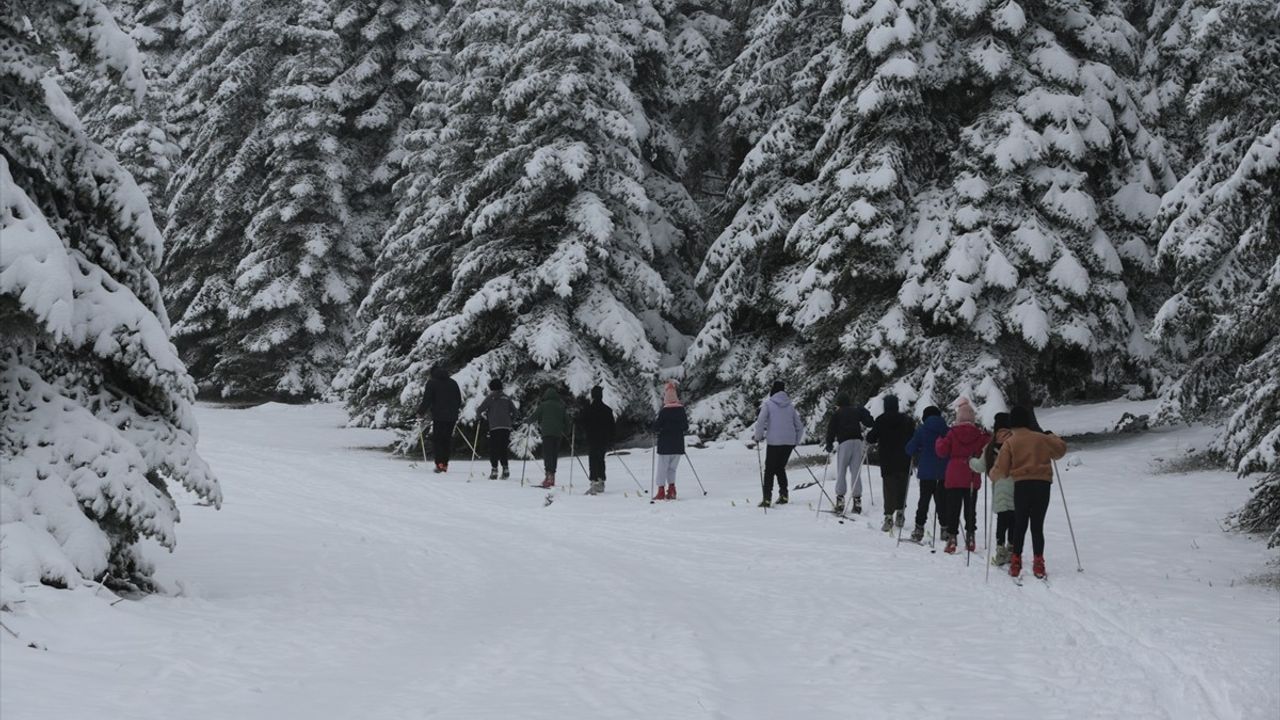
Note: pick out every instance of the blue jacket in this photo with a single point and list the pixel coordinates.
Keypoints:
(921, 447)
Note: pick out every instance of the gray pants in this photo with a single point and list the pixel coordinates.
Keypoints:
(667, 469)
(849, 460)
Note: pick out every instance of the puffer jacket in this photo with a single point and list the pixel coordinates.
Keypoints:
(922, 447)
(958, 446)
(553, 418)
(778, 422)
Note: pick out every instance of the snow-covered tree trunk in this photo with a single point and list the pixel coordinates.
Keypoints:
(95, 405)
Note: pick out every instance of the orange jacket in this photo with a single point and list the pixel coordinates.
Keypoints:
(1028, 455)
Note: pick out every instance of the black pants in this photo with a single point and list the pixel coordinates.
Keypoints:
(929, 489)
(894, 481)
(442, 440)
(775, 466)
(550, 452)
(957, 498)
(1004, 526)
(1030, 503)
(595, 462)
(500, 447)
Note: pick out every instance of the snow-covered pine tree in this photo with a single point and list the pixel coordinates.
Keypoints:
(1019, 254)
(95, 405)
(1221, 234)
(269, 262)
(773, 120)
(540, 203)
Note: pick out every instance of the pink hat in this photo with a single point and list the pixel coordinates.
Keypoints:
(669, 397)
(964, 411)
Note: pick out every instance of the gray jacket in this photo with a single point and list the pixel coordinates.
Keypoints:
(498, 410)
(779, 423)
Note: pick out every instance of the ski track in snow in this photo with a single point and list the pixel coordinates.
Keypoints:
(337, 582)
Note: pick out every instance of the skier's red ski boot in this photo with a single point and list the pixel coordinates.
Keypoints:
(1015, 565)
(671, 491)
(970, 544)
(950, 549)
(549, 482)
(1037, 567)
(662, 493)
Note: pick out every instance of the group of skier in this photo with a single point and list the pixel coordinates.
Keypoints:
(950, 461)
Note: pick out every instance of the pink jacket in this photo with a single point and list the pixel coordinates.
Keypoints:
(962, 442)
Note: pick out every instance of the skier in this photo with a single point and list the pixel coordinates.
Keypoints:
(1026, 457)
(1001, 490)
(500, 412)
(929, 467)
(671, 424)
(963, 441)
(844, 432)
(779, 425)
(891, 432)
(553, 421)
(598, 419)
(442, 399)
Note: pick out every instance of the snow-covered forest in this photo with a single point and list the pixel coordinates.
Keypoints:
(315, 199)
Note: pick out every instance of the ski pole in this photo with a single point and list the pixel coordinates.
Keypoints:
(634, 479)
(866, 463)
(815, 479)
(760, 465)
(695, 473)
(933, 536)
(825, 467)
(476, 443)
(584, 467)
(973, 500)
(458, 430)
(986, 510)
(573, 434)
(524, 460)
(653, 468)
(422, 440)
(1079, 567)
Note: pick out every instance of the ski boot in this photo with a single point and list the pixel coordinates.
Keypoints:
(671, 491)
(597, 488)
(887, 526)
(1002, 556)
(839, 505)
(782, 499)
(441, 467)
(764, 503)
(899, 519)
(917, 535)
(857, 506)
(493, 474)
(970, 544)
(662, 493)
(549, 481)
(950, 549)
(1015, 565)
(1037, 567)
(506, 473)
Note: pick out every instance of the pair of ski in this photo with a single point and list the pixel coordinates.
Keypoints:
(1023, 577)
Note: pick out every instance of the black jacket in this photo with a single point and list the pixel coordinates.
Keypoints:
(847, 423)
(671, 425)
(442, 398)
(892, 431)
(597, 424)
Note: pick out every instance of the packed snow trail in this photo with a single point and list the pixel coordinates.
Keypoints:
(338, 582)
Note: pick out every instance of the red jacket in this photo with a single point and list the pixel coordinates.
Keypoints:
(964, 441)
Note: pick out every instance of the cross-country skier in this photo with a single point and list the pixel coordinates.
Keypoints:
(443, 400)
(779, 426)
(671, 424)
(599, 426)
(1001, 490)
(929, 467)
(500, 412)
(844, 434)
(1027, 458)
(553, 421)
(963, 441)
(891, 432)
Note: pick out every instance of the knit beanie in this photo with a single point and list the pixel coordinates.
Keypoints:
(964, 411)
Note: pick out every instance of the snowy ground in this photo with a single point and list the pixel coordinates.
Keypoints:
(338, 582)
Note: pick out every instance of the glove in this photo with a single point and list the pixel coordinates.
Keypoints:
(828, 448)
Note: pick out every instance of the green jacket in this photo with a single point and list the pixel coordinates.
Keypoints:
(552, 418)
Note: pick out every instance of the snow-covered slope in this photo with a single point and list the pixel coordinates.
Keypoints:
(337, 582)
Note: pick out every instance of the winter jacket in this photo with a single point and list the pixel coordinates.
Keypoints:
(922, 447)
(671, 425)
(962, 442)
(891, 431)
(1001, 490)
(441, 398)
(552, 418)
(1028, 455)
(498, 410)
(778, 422)
(847, 423)
(597, 423)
